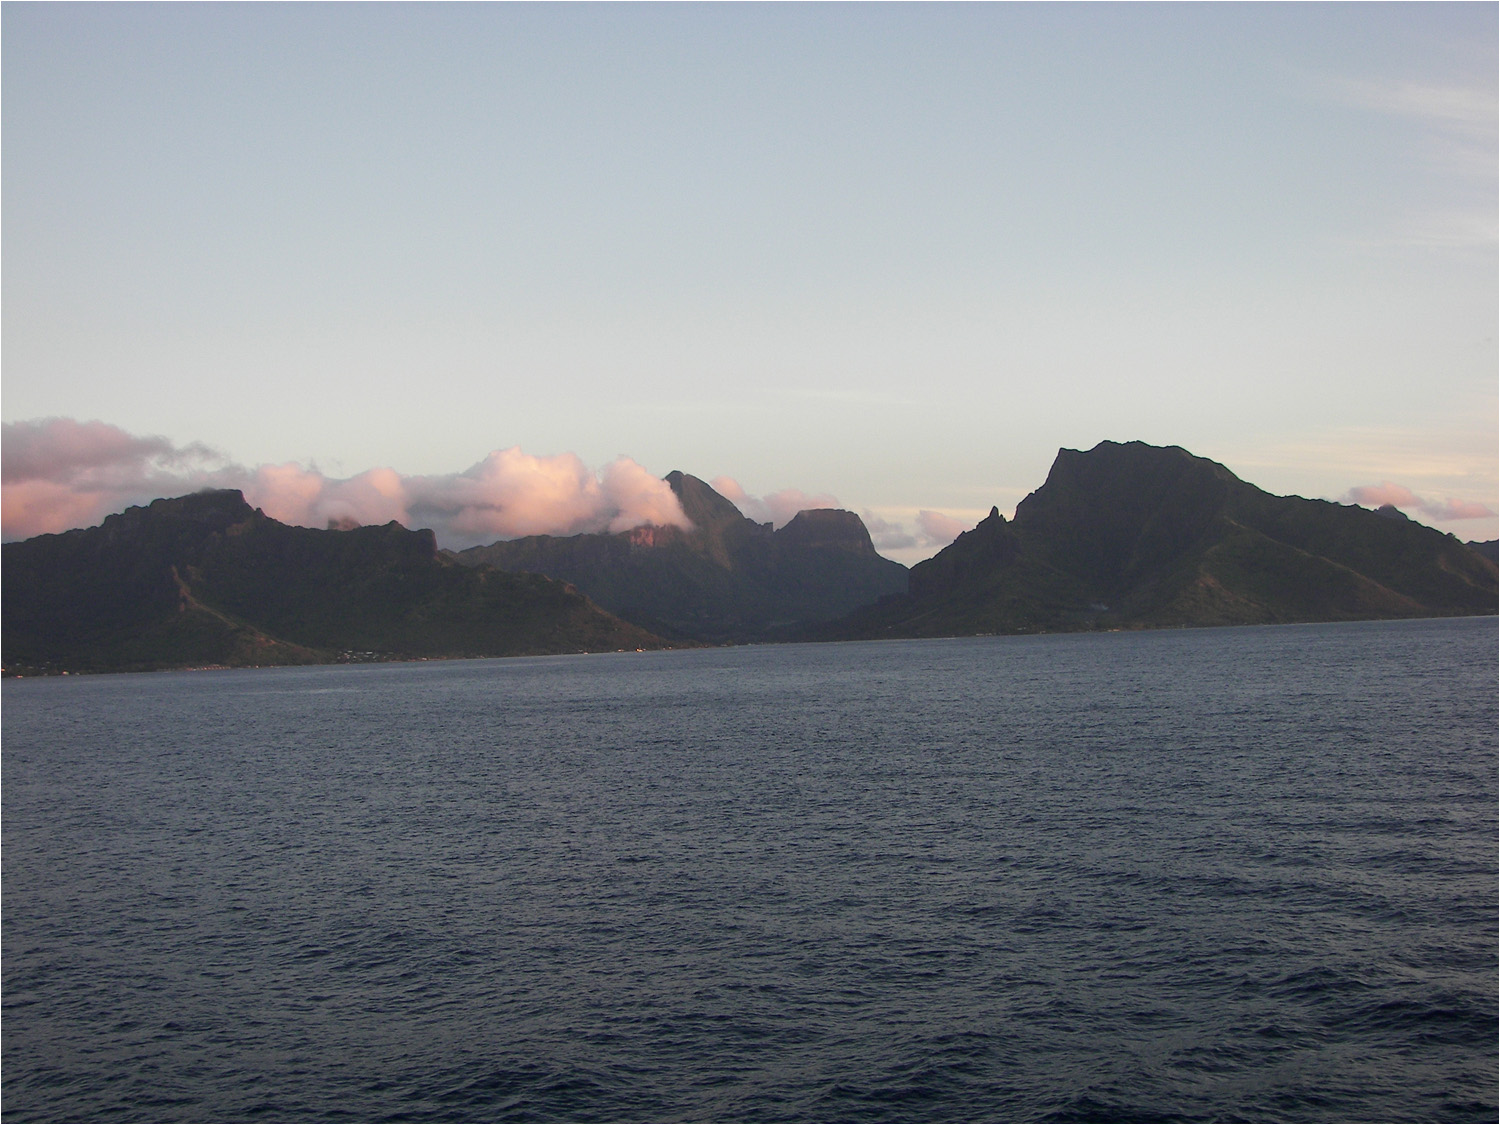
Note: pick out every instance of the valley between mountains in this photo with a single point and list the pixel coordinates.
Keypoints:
(1121, 536)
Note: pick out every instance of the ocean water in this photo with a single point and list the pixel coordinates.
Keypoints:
(1230, 874)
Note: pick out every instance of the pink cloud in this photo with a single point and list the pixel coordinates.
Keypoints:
(288, 493)
(1399, 496)
(65, 450)
(640, 498)
(59, 474)
(1386, 492)
(934, 530)
(37, 507)
(777, 508)
(297, 495)
(784, 505)
(376, 496)
(513, 493)
(730, 489)
(1451, 509)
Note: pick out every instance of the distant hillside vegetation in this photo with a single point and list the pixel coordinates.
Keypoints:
(208, 580)
(728, 579)
(1136, 536)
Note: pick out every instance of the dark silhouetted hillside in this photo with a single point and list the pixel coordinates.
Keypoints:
(1133, 536)
(727, 579)
(206, 579)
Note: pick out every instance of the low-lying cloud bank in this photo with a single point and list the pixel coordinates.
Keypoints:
(59, 473)
(1399, 496)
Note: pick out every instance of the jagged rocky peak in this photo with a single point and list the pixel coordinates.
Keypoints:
(1391, 512)
(827, 528)
(990, 545)
(700, 503)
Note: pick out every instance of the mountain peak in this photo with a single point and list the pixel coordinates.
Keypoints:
(206, 579)
(1133, 535)
(728, 579)
(211, 509)
(211, 504)
(1097, 504)
(1125, 473)
(828, 528)
(700, 503)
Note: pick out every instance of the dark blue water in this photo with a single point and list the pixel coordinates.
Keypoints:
(1237, 874)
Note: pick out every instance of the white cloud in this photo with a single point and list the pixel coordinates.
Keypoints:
(1459, 123)
(1469, 111)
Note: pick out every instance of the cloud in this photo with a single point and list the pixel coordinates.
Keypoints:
(59, 473)
(1451, 509)
(1469, 111)
(1377, 495)
(640, 498)
(1399, 496)
(294, 494)
(513, 493)
(730, 489)
(934, 530)
(888, 536)
(777, 508)
(1458, 124)
(93, 455)
(938, 528)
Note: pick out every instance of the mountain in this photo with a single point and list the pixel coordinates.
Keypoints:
(207, 579)
(727, 579)
(1136, 536)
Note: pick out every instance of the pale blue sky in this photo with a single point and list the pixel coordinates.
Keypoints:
(897, 254)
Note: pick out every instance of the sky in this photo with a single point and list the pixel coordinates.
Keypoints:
(497, 269)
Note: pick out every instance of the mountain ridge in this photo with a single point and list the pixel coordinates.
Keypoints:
(206, 579)
(1125, 535)
(727, 579)
(1128, 535)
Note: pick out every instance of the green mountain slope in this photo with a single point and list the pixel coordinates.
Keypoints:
(206, 579)
(728, 579)
(1132, 536)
